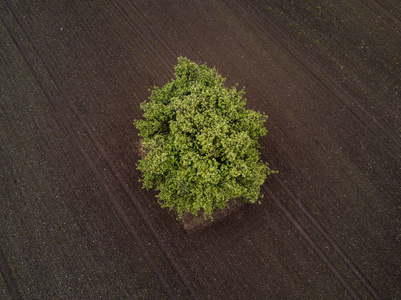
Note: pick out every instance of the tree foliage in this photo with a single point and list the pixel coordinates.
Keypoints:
(201, 143)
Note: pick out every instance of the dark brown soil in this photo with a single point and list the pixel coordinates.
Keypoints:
(74, 220)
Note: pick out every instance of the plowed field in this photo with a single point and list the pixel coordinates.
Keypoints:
(74, 221)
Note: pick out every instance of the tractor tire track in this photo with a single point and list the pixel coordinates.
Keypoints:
(283, 36)
(150, 27)
(141, 35)
(139, 14)
(119, 209)
(7, 274)
(316, 224)
(311, 243)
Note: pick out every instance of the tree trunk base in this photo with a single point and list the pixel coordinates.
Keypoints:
(193, 223)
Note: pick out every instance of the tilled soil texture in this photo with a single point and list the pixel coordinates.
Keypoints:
(75, 222)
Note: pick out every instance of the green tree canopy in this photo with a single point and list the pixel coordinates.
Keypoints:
(201, 143)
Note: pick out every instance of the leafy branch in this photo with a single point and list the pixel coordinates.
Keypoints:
(201, 143)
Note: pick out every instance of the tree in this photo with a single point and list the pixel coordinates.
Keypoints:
(201, 143)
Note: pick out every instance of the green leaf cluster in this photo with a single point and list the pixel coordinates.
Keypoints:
(201, 143)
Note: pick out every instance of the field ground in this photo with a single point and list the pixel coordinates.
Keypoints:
(74, 221)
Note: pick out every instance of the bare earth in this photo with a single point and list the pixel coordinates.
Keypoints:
(76, 224)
